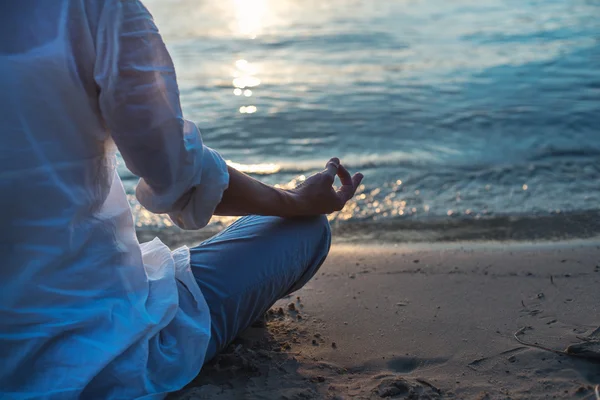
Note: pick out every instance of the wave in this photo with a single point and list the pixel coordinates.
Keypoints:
(399, 159)
(354, 161)
(413, 159)
(327, 41)
(554, 153)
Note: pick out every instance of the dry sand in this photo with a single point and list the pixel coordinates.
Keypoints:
(425, 322)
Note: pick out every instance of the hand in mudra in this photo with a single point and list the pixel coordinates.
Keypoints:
(316, 194)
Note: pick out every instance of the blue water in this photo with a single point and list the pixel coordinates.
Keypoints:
(453, 110)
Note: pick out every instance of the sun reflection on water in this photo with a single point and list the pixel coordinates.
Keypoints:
(246, 81)
(249, 16)
(243, 79)
(247, 109)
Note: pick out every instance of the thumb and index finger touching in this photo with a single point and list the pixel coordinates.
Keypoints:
(349, 183)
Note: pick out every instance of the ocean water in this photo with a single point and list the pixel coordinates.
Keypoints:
(464, 116)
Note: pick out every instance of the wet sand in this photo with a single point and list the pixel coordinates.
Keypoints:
(425, 322)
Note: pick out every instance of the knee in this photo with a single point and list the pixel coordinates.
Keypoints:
(314, 233)
(324, 223)
(318, 233)
(321, 239)
(322, 232)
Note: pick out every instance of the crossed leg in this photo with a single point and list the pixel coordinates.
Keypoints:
(256, 261)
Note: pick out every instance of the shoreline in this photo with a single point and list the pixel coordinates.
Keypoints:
(428, 321)
(500, 229)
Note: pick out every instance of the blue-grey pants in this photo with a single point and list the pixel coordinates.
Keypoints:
(246, 268)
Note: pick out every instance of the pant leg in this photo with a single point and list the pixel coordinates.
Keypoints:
(246, 268)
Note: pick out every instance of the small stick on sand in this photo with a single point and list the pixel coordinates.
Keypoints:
(537, 346)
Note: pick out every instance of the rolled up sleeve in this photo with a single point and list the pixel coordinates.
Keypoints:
(139, 100)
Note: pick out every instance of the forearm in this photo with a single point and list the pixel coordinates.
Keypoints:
(246, 195)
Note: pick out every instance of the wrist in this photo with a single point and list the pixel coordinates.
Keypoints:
(292, 204)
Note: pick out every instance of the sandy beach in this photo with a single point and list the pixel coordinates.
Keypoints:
(425, 322)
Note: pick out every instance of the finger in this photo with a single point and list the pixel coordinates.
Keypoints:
(344, 175)
(356, 180)
(332, 166)
(346, 192)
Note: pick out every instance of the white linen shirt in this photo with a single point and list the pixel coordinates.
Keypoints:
(85, 310)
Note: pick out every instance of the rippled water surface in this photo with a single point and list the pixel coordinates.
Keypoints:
(452, 109)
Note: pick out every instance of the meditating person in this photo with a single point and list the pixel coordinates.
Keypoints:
(86, 311)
